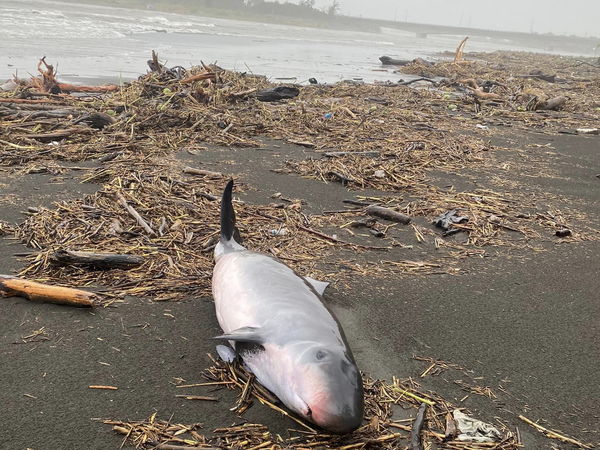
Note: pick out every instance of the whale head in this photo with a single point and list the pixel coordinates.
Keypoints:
(328, 391)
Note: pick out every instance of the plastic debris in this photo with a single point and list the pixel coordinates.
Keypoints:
(475, 430)
(446, 220)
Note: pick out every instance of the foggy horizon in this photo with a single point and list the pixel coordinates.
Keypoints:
(538, 16)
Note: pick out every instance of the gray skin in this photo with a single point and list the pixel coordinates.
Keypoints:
(287, 337)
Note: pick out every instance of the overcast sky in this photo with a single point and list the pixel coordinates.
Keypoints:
(581, 17)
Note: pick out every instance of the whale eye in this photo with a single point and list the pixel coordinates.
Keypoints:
(320, 355)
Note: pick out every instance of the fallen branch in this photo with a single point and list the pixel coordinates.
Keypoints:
(339, 241)
(553, 434)
(198, 77)
(201, 172)
(102, 261)
(388, 214)
(57, 135)
(135, 214)
(17, 287)
(409, 82)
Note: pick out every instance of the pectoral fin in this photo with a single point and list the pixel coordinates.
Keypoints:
(226, 353)
(319, 286)
(245, 334)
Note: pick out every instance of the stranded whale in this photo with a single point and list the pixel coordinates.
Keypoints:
(280, 327)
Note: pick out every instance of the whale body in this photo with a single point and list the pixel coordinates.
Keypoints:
(279, 326)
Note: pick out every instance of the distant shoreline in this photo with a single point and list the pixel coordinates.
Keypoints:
(585, 46)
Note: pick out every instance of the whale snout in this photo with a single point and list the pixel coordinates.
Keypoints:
(339, 421)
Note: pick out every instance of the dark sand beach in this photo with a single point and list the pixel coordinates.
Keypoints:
(499, 315)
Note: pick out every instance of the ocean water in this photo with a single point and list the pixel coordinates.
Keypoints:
(96, 42)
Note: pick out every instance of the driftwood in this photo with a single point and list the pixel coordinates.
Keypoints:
(409, 82)
(199, 76)
(482, 95)
(57, 135)
(340, 154)
(553, 104)
(131, 210)
(17, 287)
(202, 172)
(415, 434)
(102, 261)
(458, 56)
(388, 214)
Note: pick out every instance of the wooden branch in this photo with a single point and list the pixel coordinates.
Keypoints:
(554, 435)
(57, 135)
(339, 241)
(17, 287)
(388, 214)
(198, 77)
(131, 210)
(201, 172)
(340, 154)
(28, 101)
(102, 261)
(409, 82)
(415, 434)
(66, 87)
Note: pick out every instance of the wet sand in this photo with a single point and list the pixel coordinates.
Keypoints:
(525, 323)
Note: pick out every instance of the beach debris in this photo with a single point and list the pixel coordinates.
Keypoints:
(449, 218)
(380, 428)
(563, 232)
(387, 214)
(277, 93)
(458, 55)
(415, 434)
(100, 261)
(553, 104)
(474, 430)
(96, 120)
(389, 61)
(555, 435)
(588, 131)
(17, 287)
(104, 387)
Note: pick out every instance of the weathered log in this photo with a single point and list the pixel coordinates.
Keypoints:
(66, 87)
(101, 261)
(388, 214)
(17, 287)
(202, 172)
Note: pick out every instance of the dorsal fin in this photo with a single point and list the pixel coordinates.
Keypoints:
(227, 213)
